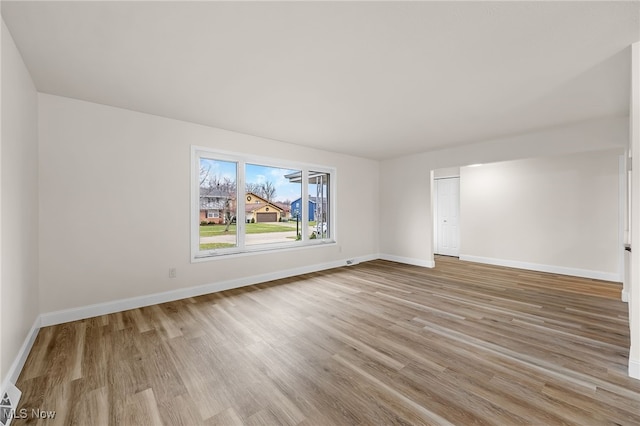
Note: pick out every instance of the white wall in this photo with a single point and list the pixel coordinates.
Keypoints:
(446, 172)
(634, 257)
(19, 205)
(404, 182)
(557, 214)
(115, 214)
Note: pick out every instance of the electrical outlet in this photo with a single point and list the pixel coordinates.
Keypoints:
(172, 272)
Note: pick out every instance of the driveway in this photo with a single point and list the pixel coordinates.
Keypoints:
(265, 238)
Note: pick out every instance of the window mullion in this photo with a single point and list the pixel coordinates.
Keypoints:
(305, 205)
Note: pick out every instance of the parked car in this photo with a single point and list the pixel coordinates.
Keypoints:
(321, 228)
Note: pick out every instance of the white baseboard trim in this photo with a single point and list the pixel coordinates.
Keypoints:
(576, 272)
(84, 312)
(16, 367)
(634, 368)
(625, 296)
(408, 260)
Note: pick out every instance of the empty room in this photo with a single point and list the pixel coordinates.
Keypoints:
(320, 213)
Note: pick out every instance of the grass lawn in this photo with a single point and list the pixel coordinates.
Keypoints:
(251, 228)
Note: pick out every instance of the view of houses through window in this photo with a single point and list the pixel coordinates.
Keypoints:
(269, 205)
(268, 196)
(217, 183)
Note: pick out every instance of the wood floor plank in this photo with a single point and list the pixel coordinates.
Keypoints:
(375, 343)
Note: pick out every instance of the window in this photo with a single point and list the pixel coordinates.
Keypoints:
(319, 193)
(269, 194)
(216, 190)
(258, 204)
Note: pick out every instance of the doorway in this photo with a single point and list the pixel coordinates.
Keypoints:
(447, 216)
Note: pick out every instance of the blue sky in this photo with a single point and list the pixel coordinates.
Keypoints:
(256, 174)
(284, 189)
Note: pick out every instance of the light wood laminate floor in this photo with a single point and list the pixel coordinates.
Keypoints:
(376, 343)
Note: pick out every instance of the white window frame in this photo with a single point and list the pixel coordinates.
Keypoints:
(198, 152)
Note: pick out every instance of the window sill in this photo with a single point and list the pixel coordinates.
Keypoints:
(251, 251)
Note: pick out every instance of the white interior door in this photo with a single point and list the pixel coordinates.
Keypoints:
(448, 216)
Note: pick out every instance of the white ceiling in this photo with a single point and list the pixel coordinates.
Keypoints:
(377, 80)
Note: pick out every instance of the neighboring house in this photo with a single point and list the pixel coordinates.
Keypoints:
(315, 209)
(212, 205)
(296, 209)
(286, 209)
(260, 210)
